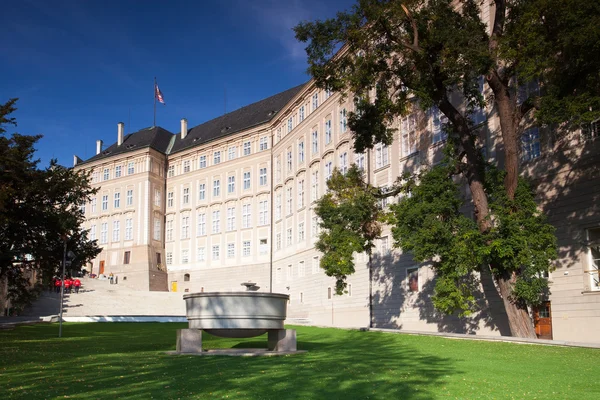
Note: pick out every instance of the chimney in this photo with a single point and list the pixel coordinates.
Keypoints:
(184, 130)
(120, 132)
(75, 159)
(98, 146)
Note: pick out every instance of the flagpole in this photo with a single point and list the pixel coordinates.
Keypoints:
(154, 124)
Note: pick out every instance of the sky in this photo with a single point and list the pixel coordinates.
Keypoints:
(80, 67)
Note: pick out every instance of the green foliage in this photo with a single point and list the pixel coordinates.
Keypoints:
(558, 43)
(38, 209)
(349, 221)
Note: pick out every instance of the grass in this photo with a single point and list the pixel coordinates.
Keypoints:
(128, 361)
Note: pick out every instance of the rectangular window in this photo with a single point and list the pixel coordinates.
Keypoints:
(315, 101)
(200, 254)
(344, 162)
(278, 207)
(385, 248)
(438, 120)
(262, 176)
(263, 216)
(169, 231)
(301, 297)
(246, 215)
(412, 277)
(231, 184)
(106, 174)
(301, 232)
(264, 145)
(202, 191)
(93, 204)
(232, 152)
(327, 132)
(118, 171)
(328, 170)
(301, 114)
(216, 221)
(289, 161)
(315, 142)
(93, 232)
(329, 293)
(231, 219)
(186, 196)
(343, 121)
(230, 250)
(278, 169)
(201, 224)
(530, 141)
(130, 197)
(116, 231)
(185, 227)
(381, 155)
(349, 290)
(315, 226)
(360, 161)
(590, 131)
(216, 188)
(202, 162)
(593, 244)
(104, 232)
(185, 256)
(171, 171)
(82, 207)
(117, 200)
(105, 202)
(216, 157)
(289, 125)
(170, 197)
(156, 233)
(246, 248)
(300, 193)
(247, 148)
(315, 264)
(216, 252)
(130, 168)
(314, 185)
(289, 237)
(129, 229)
(157, 197)
(263, 246)
(288, 201)
(408, 134)
(169, 257)
(246, 180)
(301, 152)
(278, 241)
(186, 166)
(301, 271)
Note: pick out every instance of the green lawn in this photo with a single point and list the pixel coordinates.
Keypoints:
(128, 360)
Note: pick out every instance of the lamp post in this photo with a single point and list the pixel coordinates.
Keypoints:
(62, 286)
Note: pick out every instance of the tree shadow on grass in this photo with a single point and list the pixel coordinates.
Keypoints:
(129, 361)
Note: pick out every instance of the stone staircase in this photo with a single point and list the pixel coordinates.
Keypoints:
(100, 298)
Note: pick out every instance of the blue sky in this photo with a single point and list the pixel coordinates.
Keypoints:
(80, 67)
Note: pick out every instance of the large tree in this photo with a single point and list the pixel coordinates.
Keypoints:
(393, 56)
(39, 211)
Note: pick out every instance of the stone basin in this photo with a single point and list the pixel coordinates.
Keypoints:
(236, 314)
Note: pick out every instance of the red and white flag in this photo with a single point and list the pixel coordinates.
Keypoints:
(158, 94)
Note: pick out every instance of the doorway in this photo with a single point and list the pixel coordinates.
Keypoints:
(173, 286)
(542, 320)
(101, 271)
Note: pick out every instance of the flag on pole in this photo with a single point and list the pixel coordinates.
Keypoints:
(158, 94)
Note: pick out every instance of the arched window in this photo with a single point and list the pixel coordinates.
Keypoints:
(186, 278)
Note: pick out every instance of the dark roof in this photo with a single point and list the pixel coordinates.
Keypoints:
(154, 137)
(235, 121)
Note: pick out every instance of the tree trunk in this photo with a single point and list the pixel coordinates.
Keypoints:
(519, 320)
(509, 122)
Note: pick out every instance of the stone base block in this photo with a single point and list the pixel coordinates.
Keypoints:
(282, 340)
(189, 341)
